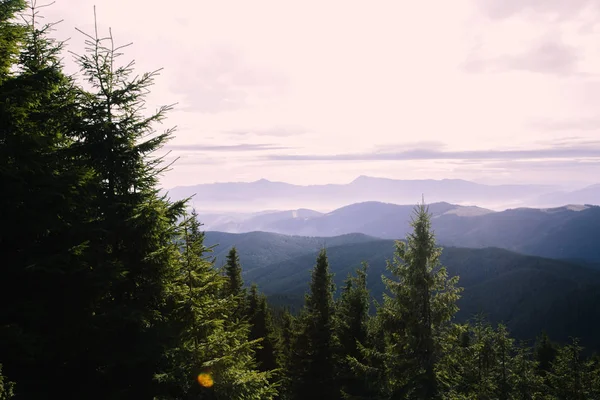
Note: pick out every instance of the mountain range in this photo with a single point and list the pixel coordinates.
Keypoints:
(569, 232)
(264, 194)
(528, 293)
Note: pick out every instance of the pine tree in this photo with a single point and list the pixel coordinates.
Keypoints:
(130, 247)
(417, 313)
(233, 270)
(352, 317)
(262, 328)
(288, 334)
(203, 346)
(545, 353)
(569, 373)
(316, 347)
(44, 290)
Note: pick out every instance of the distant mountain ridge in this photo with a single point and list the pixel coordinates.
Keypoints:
(569, 232)
(264, 194)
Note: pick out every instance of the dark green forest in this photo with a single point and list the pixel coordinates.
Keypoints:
(109, 290)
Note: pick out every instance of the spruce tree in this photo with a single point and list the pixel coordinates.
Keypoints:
(262, 328)
(205, 356)
(316, 344)
(569, 373)
(45, 288)
(545, 353)
(416, 313)
(130, 248)
(352, 316)
(233, 270)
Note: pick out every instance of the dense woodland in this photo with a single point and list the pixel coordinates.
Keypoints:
(108, 290)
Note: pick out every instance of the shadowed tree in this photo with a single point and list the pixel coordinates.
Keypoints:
(315, 347)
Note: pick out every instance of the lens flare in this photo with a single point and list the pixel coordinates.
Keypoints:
(204, 379)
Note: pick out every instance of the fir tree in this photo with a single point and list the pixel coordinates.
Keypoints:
(417, 313)
(262, 328)
(131, 240)
(233, 271)
(569, 373)
(545, 353)
(45, 288)
(206, 357)
(316, 347)
(351, 325)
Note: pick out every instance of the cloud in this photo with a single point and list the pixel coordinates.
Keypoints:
(280, 131)
(233, 147)
(544, 165)
(427, 154)
(580, 124)
(220, 81)
(550, 55)
(503, 9)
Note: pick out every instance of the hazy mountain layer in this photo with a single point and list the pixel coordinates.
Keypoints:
(569, 232)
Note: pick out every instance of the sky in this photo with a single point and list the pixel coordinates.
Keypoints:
(314, 92)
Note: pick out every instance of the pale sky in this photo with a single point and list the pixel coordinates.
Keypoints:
(313, 92)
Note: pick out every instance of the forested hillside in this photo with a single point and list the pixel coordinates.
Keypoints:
(529, 294)
(110, 290)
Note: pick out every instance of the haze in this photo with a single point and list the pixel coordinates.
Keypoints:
(322, 92)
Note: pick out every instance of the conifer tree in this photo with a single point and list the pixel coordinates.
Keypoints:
(351, 325)
(203, 346)
(569, 373)
(545, 353)
(233, 271)
(131, 240)
(417, 313)
(316, 344)
(44, 290)
(288, 334)
(262, 328)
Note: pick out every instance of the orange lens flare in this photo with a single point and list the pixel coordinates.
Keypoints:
(205, 380)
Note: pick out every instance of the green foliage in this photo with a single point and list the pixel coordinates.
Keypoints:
(262, 328)
(6, 387)
(201, 340)
(416, 314)
(352, 316)
(233, 270)
(314, 354)
(11, 35)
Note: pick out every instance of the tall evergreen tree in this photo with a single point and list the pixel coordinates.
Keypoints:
(233, 271)
(131, 240)
(202, 345)
(417, 313)
(262, 328)
(316, 346)
(352, 316)
(44, 290)
(545, 353)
